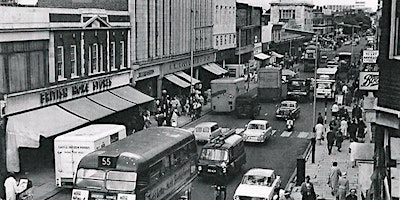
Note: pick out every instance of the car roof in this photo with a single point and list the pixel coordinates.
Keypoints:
(258, 121)
(206, 124)
(259, 172)
(289, 102)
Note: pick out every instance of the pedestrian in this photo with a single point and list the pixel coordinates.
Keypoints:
(319, 132)
(333, 178)
(361, 130)
(307, 190)
(174, 118)
(343, 187)
(356, 112)
(320, 119)
(146, 119)
(330, 138)
(11, 187)
(352, 129)
(335, 109)
(339, 140)
(333, 125)
(352, 195)
(159, 117)
(344, 127)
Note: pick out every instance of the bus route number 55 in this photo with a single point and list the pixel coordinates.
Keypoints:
(107, 161)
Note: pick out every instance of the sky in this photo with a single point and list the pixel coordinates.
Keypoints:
(265, 3)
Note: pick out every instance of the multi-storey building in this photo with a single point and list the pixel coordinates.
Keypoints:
(248, 26)
(164, 33)
(340, 7)
(386, 122)
(323, 21)
(296, 14)
(61, 69)
(224, 30)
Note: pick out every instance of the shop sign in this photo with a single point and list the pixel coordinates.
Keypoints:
(369, 81)
(370, 56)
(185, 63)
(146, 72)
(257, 48)
(62, 92)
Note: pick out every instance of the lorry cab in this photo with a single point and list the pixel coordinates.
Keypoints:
(222, 155)
(248, 105)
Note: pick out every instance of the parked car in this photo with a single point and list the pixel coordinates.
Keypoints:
(287, 109)
(257, 131)
(257, 183)
(204, 131)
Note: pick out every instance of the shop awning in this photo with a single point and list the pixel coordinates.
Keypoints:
(131, 94)
(111, 101)
(25, 129)
(273, 53)
(262, 56)
(187, 77)
(177, 81)
(87, 109)
(214, 68)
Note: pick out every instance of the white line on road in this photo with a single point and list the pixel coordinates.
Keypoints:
(303, 134)
(273, 132)
(286, 134)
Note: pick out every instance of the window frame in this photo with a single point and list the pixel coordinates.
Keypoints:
(122, 55)
(73, 61)
(100, 59)
(60, 64)
(394, 51)
(94, 50)
(112, 57)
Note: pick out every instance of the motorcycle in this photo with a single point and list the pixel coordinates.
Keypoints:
(289, 124)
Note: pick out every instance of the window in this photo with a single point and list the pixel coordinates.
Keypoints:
(94, 61)
(112, 56)
(74, 70)
(216, 40)
(394, 47)
(122, 54)
(60, 63)
(225, 38)
(101, 69)
(230, 38)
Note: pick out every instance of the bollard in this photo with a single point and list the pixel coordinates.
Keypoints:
(313, 150)
(301, 170)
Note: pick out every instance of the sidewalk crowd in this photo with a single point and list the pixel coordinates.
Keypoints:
(334, 175)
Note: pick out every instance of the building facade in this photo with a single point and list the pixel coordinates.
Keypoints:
(224, 30)
(162, 40)
(386, 124)
(323, 21)
(296, 14)
(248, 27)
(62, 69)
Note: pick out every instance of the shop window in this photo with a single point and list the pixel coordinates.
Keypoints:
(394, 47)
(60, 63)
(74, 66)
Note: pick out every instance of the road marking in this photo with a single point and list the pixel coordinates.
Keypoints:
(286, 134)
(273, 132)
(303, 134)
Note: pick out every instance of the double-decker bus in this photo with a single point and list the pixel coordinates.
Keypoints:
(153, 164)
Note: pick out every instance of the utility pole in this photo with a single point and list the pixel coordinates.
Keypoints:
(191, 49)
(3, 166)
(315, 82)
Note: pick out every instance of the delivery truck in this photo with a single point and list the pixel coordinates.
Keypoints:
(224, 92)
(71, 147)
(270, 84)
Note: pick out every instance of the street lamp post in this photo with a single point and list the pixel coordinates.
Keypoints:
(315, 81)
(191, 45)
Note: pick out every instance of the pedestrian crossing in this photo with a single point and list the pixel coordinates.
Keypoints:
(291, 134)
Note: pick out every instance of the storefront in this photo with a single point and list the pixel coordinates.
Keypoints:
(145, 80)
(46, 112)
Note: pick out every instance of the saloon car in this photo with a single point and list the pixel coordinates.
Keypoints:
(257, 131)
(257, 183)
(287, 109)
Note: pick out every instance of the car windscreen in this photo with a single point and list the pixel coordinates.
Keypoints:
(214, 154)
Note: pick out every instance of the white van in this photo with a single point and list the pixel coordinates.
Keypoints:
(71, 147)
(204, 131)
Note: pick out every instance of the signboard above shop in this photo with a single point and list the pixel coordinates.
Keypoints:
(370, 56)
(23, 101)
(369, 81)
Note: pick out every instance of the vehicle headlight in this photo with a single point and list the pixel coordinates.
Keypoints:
(199, 168)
